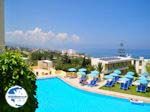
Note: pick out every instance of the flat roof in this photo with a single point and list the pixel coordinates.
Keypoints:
(114, 59)
(110, 58)
(47, 61)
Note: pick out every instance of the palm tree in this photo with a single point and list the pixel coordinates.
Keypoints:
(99, 68)
(148, 67)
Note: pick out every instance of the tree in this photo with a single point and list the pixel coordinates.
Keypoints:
(132, 68)
(14, 71)
(37, 55)
(99, 67)
(90, 68)
(86, 62)
(148, 67)
(65, 59)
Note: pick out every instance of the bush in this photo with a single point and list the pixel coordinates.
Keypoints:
(14, 71)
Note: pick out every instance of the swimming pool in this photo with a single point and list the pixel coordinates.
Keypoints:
(54, 95)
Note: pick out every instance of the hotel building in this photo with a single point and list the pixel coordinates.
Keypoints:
(110, 64)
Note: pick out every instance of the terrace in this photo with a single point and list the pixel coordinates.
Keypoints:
(101, 89)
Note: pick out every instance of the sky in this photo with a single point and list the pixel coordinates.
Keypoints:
(78, 24)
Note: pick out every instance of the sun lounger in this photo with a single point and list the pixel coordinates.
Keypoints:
(110, 83)
(93, 82)
(83, 78)
(141, 88)
(130, 82)
(96, 79)
(124, 86)
(116, 78)
(107, 83)
(144, 87)
(84, 83)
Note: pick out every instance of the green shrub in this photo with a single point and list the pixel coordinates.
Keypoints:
(14, 71)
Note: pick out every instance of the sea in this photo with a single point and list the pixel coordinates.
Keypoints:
(135, 53)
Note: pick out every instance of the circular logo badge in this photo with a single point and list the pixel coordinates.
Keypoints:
(16, 96)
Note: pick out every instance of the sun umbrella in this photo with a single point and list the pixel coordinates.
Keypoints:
(114, 74)
(72, 70)
(144, 74)
(95, 72)
(93, 75)
(131, 73)
(142, 78)
(129, 76)
(117, 72)
(148, 78)
(82, 70)
(108, 77)
(81, 73)
(142, 81)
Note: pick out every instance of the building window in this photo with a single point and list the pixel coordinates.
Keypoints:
(140, 63)
(134, 62)
(140, 71)
(37, 73)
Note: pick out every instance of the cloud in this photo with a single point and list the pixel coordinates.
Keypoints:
(75, 37)
(39, 38)
(62, 36)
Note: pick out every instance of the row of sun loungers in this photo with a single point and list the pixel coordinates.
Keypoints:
(110, 83)
(126, 85)
(93, 82)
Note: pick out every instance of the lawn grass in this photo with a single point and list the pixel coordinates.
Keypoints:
(132, 90)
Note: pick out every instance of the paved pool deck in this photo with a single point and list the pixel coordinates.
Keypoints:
(75, 83)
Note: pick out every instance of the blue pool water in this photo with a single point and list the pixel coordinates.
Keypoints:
(54, 95)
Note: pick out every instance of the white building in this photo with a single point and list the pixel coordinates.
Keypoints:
(69, 52)
(140, 64)
(110, 64)
(45, 67)
(45, 64)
